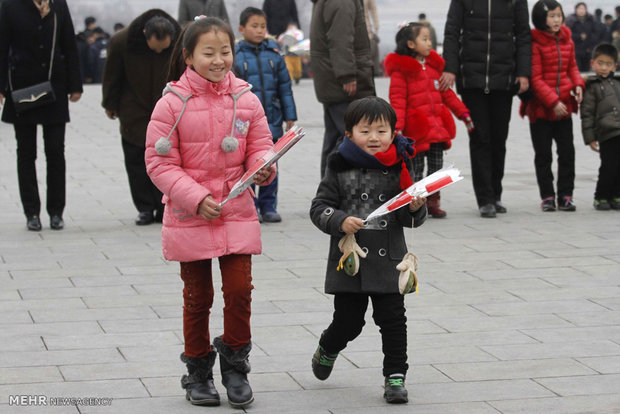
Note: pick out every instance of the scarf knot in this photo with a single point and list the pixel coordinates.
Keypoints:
(400, 149)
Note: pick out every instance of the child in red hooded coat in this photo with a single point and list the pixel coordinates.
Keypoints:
(557, 87)
(422, 110)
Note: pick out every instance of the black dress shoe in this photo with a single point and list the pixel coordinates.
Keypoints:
(144, 218)
(159, 216)
(56, 222)
(488, 211)
(499, 207)
(33, 223)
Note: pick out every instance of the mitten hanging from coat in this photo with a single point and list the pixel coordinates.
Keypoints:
(351, 253)
(408, 280)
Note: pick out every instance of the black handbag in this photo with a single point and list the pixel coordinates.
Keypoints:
(37, 95)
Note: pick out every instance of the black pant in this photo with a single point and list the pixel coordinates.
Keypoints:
(543, 134)
(389, 315)
(333, 116)
(487, 142)
(145, 196)
(54, 141)
(608, 184)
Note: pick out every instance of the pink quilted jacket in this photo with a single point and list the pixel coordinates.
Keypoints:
(196, 166)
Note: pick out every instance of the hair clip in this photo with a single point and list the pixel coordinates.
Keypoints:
(202, 16)
(404, 23)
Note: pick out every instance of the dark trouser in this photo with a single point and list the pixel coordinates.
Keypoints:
(54, 141)
(389, 315)
(267, 196)
(543, 134)
(434, 155)
(198, 292)
(266, 200)
(583, 61)
(145, 196)
(487, 142)
(333, 116)
(608, 184)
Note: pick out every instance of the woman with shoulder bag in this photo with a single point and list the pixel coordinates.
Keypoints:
(39, 74)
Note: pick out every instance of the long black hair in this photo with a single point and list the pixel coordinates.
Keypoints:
(188, 39)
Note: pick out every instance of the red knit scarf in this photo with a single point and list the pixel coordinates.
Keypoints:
(391, 157)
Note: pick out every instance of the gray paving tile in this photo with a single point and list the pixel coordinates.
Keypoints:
(554, 350)
(28, 375)
(109, 340)
(63, 357)
(591, 404)
(582, 385)
(604, 365)
(541, 368)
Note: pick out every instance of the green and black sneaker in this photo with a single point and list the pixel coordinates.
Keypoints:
(395, 391)
(323, 363)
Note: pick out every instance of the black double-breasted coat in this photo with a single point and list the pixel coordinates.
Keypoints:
(25, 49)
(347, 190)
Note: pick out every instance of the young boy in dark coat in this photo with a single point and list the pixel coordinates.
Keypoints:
(600, 124)
(369, 168)
(258, 61)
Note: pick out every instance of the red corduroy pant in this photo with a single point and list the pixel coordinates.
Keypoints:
(198, 292)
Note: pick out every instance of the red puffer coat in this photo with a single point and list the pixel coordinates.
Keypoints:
(554, 75)
(421, 109)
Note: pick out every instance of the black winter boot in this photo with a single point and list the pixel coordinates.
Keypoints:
(234, 367)
(198, 385)
(395, 391)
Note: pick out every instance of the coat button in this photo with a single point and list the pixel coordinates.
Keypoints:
(382, 197)
(364, 196)
(383, 223)
(328, 211)
(41, 46)
(382, 252)
(384, 172)
(365, 250)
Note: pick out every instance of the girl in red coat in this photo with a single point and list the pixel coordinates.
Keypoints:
(557, 86)
(422, 110)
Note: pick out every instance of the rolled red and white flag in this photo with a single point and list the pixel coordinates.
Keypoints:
(290, 138)
(423, 188)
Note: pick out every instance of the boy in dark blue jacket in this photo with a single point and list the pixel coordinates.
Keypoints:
(259, 62)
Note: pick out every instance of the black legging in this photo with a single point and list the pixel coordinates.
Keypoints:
(54, 141)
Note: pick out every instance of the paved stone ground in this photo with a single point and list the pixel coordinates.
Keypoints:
(520, 314)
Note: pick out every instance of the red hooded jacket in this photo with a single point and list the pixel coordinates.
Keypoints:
(554, 75)
(421, 108)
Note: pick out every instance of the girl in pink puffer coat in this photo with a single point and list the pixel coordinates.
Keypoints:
(204, 133)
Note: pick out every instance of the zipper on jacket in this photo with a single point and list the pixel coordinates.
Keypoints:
(486, 88)
(260, 76)
(557, 45)
(430, 94)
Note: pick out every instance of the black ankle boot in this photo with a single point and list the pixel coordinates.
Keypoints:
(234, 367)
(198, 385)
(395, 391)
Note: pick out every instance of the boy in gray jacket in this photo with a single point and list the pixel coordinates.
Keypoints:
(600, 124)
